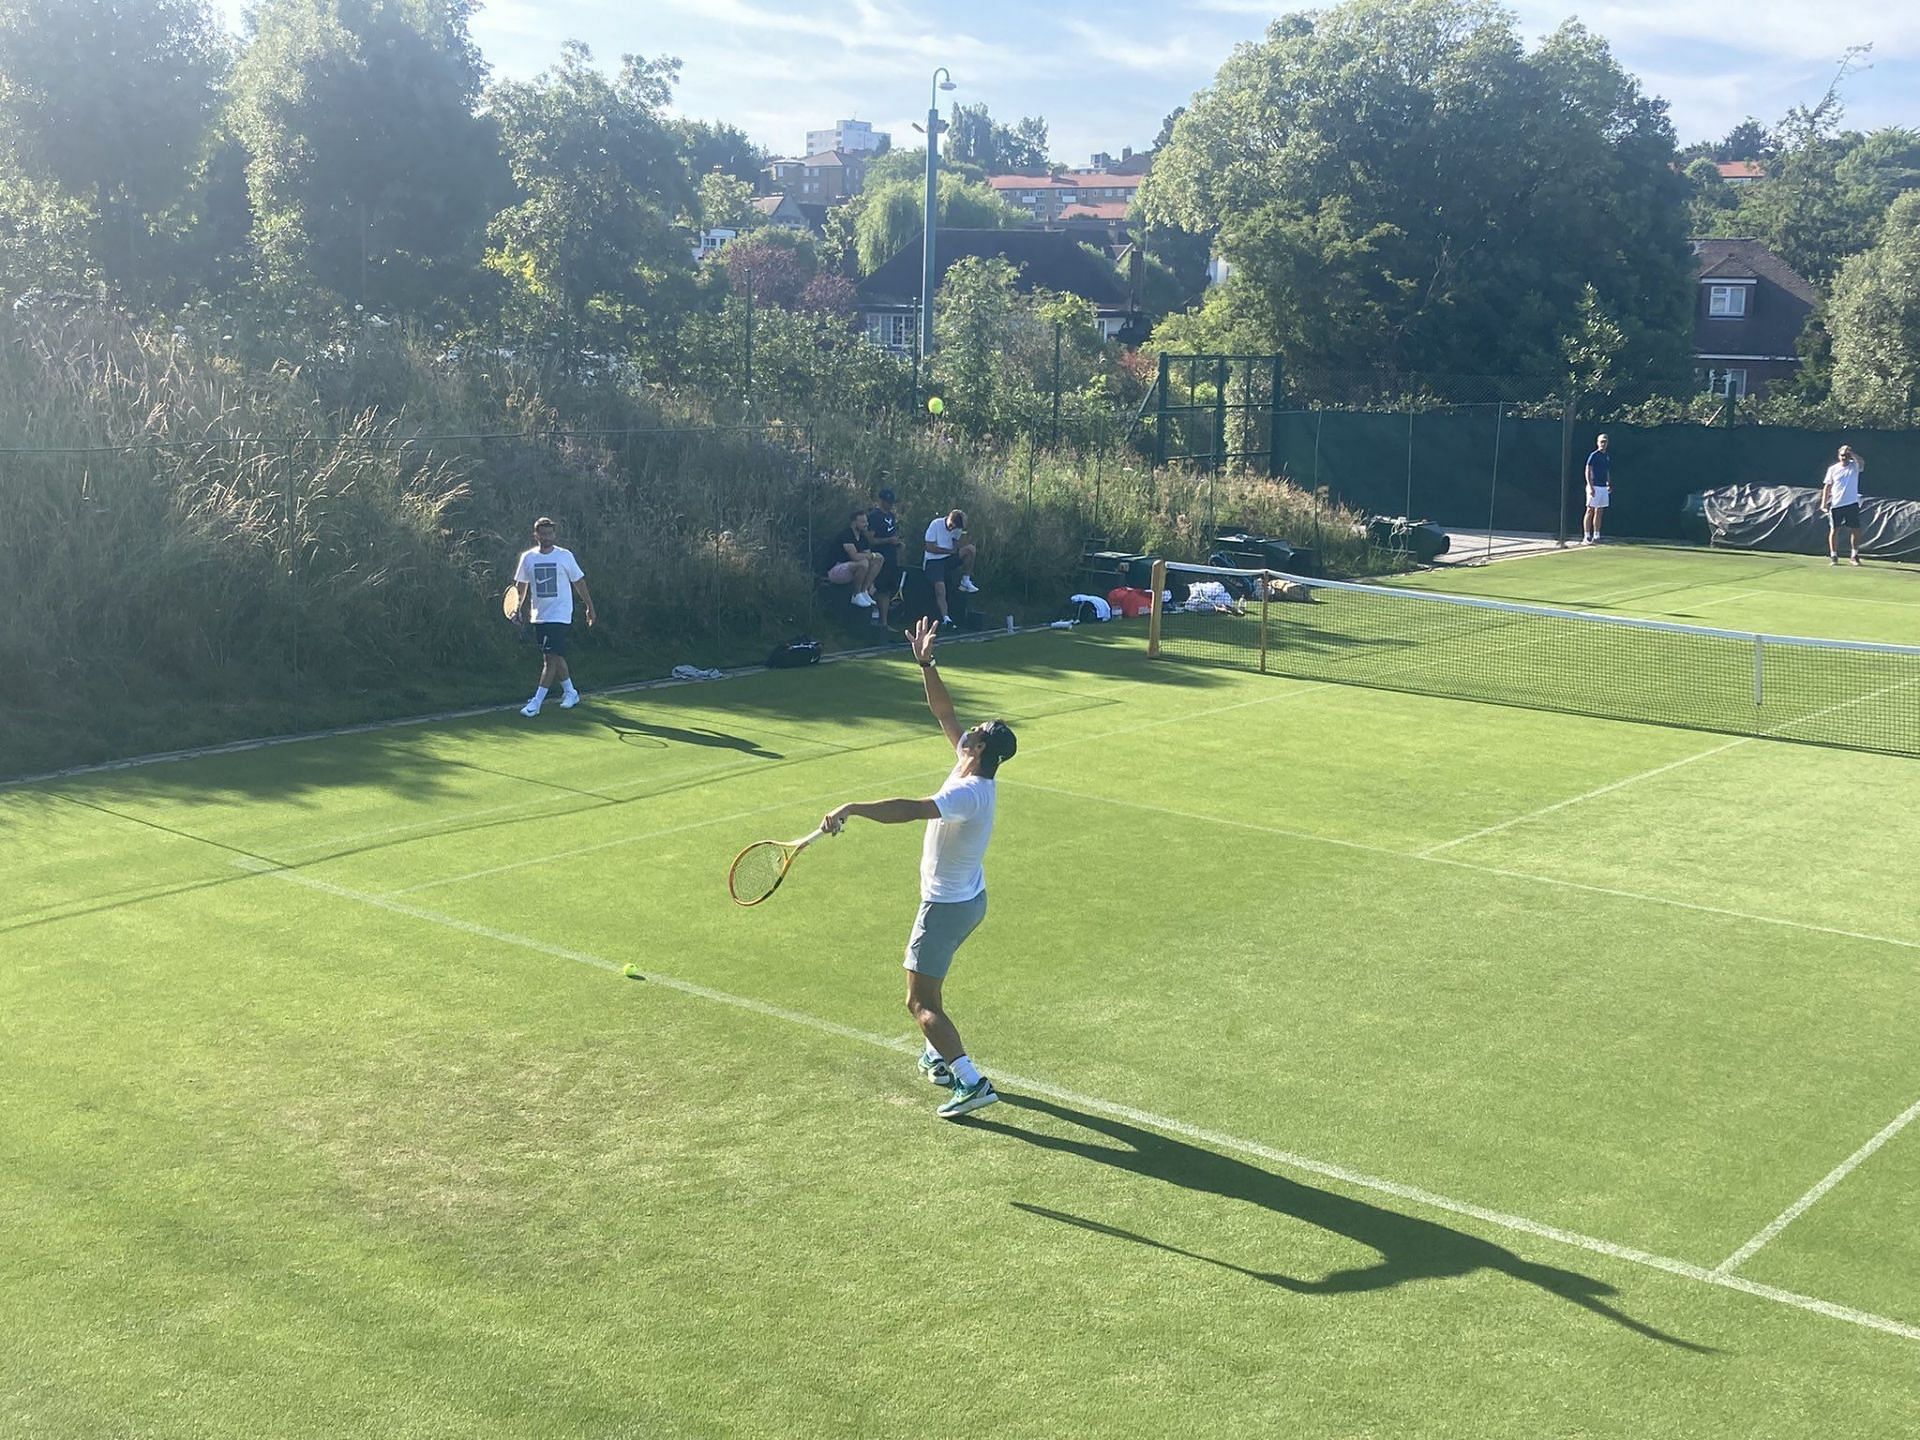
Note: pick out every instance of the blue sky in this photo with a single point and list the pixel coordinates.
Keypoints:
(1104, 72)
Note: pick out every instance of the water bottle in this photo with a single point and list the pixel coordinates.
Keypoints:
(1010, 626)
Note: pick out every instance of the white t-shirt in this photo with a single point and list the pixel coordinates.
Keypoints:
(1843, 484)
(549, 578)
(939, 534)
(952, 856)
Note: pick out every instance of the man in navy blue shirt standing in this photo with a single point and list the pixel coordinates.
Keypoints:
(1599, 491)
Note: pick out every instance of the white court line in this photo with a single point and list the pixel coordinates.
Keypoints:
(1433, 850)
(1218, 1140)
(1521, 875)
(1799, 1207)
(1735, 595)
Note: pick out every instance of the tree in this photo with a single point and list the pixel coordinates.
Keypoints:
(591, 245)
(371, 176)
(1875, 323)
(111, 102)
(775, 265)
(726, 201)
(715, 145)
(974, 137)
(889, 217)
(1166, 127)
(1399, 186)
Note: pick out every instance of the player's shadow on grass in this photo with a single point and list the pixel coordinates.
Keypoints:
(1409, 1248)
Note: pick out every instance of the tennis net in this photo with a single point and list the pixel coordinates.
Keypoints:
(1849, 693)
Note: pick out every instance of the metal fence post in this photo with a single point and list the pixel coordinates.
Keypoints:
(1566, 458)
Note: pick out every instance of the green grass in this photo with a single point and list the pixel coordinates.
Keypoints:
(330, 1112)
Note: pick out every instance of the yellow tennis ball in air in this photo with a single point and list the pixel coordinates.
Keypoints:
(935, 405)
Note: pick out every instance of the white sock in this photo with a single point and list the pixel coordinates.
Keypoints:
(540, 695)
(964, 1071)
(932, 1054)
(567, 685)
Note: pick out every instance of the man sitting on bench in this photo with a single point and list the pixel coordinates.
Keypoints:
(850, 562)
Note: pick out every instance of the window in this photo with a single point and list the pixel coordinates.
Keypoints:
(891, 332)
(1728, 301)
(1727, 382)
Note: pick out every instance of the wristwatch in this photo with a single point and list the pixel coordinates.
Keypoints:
(927, 665)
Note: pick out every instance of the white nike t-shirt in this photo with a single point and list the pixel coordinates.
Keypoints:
(953, 855)
(549, 580)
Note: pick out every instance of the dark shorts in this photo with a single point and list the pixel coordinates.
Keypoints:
(552, 638)
(937, 567)
(1844, 515)
(889, 578)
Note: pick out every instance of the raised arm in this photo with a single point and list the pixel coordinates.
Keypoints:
(938, 701)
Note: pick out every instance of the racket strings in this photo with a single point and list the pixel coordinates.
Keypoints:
(757, 871)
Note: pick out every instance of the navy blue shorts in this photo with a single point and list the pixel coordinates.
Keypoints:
(552, 637)
(1844, 516)
(937, 567)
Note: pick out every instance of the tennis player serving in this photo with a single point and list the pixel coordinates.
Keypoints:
(953, 882)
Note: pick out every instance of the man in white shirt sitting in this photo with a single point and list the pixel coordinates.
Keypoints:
(1840, 498)
(953, 881)
(947, 545)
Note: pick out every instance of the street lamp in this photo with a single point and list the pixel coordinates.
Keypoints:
(930, 211)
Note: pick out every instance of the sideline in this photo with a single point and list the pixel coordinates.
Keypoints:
(1285, 1158)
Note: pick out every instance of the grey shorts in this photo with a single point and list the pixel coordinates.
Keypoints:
(938, 932)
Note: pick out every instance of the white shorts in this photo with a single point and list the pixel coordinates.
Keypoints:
(1597, 497)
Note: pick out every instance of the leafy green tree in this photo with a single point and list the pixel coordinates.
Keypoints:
(1875, 323)
(591, 247)
(1399, 186)
(715, 145)
(974, 137)
(775, 265)
(372, 177)
(996, 361)
(889, 217)
(110, 101)
(1826, 191)
(726, 201)
(911, 165)
(1592, 348)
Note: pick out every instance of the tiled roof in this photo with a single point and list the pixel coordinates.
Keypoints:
(1741, 169)
(1046, 259)
(1095, 210)
(1089, 180)
(1749, 258)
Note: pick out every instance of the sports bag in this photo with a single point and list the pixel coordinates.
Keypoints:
(800, 651)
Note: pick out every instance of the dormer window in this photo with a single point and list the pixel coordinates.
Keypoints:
(1726, 301)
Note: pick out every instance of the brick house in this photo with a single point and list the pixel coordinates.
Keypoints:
(826, 178)
(1749, 309)
(1042, 198)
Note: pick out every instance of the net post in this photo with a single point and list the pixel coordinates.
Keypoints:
(1266, 590)
(1153, 617)
(1759, 671)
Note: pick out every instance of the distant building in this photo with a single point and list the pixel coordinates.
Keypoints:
(1749, 310)
(1044, 197)
(850, 137)
(782, 210)
(1740, 172)
(888, 301)
(825, 178)
(1128, 163)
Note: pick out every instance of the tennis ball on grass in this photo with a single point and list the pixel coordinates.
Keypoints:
(632, 972)
(935, 405)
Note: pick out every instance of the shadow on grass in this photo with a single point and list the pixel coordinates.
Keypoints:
(1410, 1248)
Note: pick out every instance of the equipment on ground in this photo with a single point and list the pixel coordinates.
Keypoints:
(1849, 693)
(757, 871)
(1788, 518)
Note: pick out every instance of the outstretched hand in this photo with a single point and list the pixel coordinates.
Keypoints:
(922, 638)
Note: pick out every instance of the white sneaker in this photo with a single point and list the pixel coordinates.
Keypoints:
(532, 707)
(570, 699)
(967, 587)
(862, 599)
(1856, 559)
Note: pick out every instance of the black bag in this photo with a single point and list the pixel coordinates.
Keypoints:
(1421, 539)
(796, 653)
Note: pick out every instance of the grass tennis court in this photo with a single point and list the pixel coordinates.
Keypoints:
(1375, 1064)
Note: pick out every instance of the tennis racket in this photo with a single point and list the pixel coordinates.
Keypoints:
(510, 604)
(758, 870)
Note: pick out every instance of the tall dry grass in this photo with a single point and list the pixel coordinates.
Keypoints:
(206, 547)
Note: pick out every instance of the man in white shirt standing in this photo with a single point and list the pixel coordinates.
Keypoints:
(546, 581)
(953, 882)
(946, 544)
(1840, 498)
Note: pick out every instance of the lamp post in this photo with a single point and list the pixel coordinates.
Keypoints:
(930, 210)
